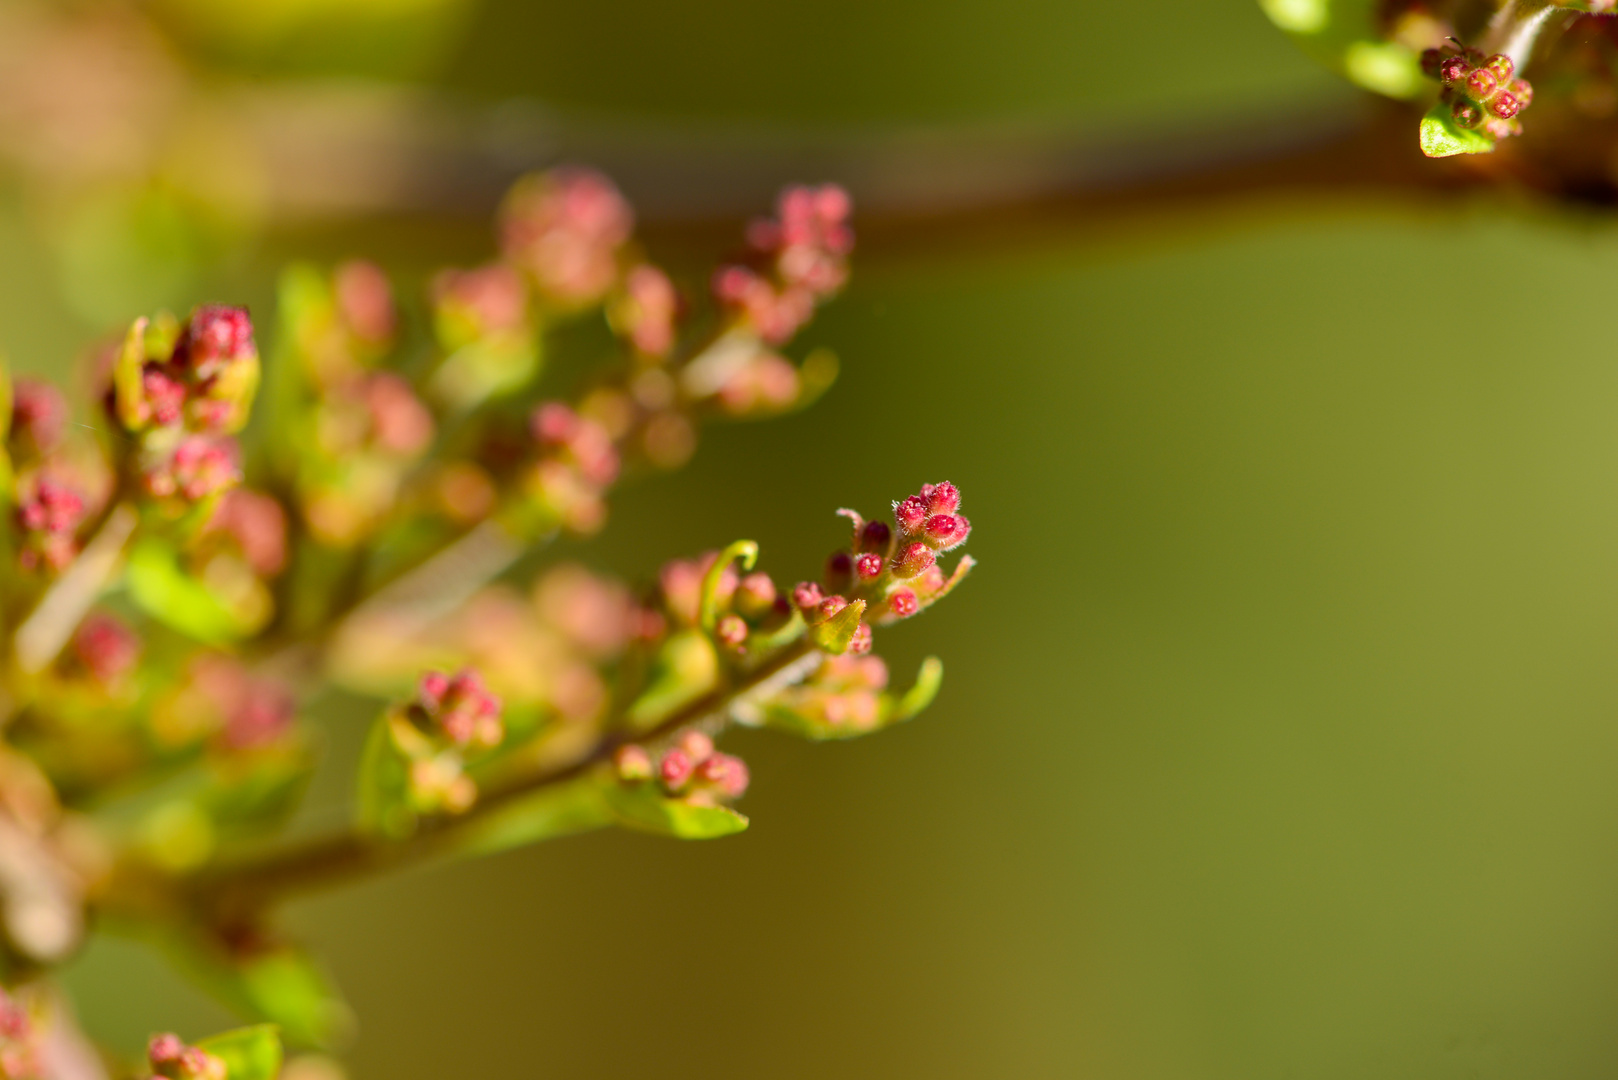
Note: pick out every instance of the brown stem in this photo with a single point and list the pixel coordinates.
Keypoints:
(234, 889)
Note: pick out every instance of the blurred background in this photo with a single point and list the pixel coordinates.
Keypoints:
(1280, 719)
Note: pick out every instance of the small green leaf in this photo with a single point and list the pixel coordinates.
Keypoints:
(747, 552)
(383, 786)
(560, 811)
(249, 1053)
(1442, 137)
(128, 389)
(162, 589)
(835, 633)
(643, 808)
(279, 984)
(921, 695)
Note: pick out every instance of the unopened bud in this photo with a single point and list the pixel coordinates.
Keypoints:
(675, 769)
(875, 537)
(38, 413)
(698, 746)
(1505, 106)
(910, 513)
(806, 596)
(945, 531)
(1481, 83)
(755, 595)
(912, 560)
(725, 773)
(942, 498)
(1465, 113)
(1454, 70)
(1500, 66)
(830, 607)
(903, 603)
(633, 763)
(215, 338)
(839, 571)
(861, 641)
(868, 566)
(732, 631)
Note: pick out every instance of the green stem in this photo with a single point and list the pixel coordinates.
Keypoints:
(235, 889)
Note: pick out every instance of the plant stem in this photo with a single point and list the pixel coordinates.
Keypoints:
(1515, 28)
(248, 885)
(59, 612)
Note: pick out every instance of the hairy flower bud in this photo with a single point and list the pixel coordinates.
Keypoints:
(945, 531)
(732, 631)
(911, 513)
(912, 560)
(869, 566)
(839, 571)
(806, 596)
(875, 536)
(861, 641)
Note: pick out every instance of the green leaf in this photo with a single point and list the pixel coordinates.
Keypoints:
(575, 807)
(1442, 137)
(128, 388)
(835, 633)
(256, 793)
(747, 552)
(686, 668)
(921, 695)
(279, 984)
(383, 786)
(643, 808)
(162, 589)
(249, 1053)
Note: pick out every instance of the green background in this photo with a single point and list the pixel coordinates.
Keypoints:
(1279, 721)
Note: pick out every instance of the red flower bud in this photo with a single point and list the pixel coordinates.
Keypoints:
(911, 513)
(1481, 83)
(903, 603)
(1465, 113)
(839, 571)
(941, 498)
(106, 647)
(1454, 70)
(945, 531)
(434, 685)
(215, 337)
(868, 566)
(38, 413)
(830, 606)
(875, 536)
(1500, 66)
(1505, 106)
(164, 393)
(861, 642)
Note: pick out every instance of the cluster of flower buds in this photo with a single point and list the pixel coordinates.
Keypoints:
(49, 514)
(1481, 91)
(368, 431)
(242, 711)
(577, 463)
(564, 229)
(798, 259)
(450, 716)
(184, 391)
(171, 1059)
(691, 769)
(19, 1041)
(646, 311)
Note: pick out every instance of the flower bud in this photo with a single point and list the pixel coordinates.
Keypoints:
(861, 642)
(839, 571)
(632, 763)
(1465, 113)
(875, 536)
(911, 513)
(903, 603)
(946, 531)
(38, 414)
(698, 746)
(675, 769)
(164, 394)
(942, 498)
(1454, 70)
(1505, 105)
(1500, 67)
(806, 596)
(732, 631)
(365, 301)
(106, 648)
(726, 774)
(912, 560)
(1481, 84)
(868, 566)
(830, 606)
(755, 595)
(215, 338)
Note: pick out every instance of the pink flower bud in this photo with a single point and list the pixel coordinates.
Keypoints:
(755, 595)
(698, 746)
(903, 603)
(727, 774)
(868, 566)
(912, 560)
(633, 763)
(806, 596)
(1500, 66)
(434, 685)
(164, 1050)
(164, 394)
(911, 514)
(831, 606)
(861, 642)
(467, 713)
(400, 423)
(1454, 70)
(365, 300)
(945, 531)
(732, 631)
(675, 769)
